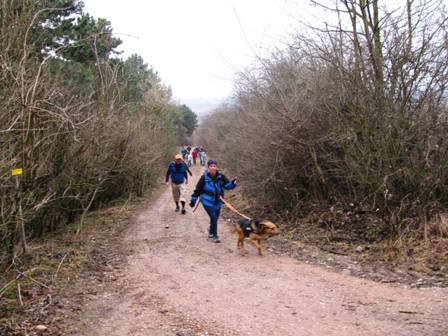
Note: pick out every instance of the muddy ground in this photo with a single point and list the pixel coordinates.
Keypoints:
(153, 280)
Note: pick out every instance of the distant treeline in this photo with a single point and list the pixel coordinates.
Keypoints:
(353, 113)
(85, 126)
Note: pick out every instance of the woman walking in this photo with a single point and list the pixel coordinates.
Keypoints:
(202, 156)
(210, 188)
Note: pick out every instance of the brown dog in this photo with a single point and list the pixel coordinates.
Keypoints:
(255, 230)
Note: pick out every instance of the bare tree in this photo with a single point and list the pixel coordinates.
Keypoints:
(354, 111)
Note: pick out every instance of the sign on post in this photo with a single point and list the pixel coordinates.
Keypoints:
(16, 171)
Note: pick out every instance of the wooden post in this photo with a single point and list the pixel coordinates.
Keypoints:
(20, 222)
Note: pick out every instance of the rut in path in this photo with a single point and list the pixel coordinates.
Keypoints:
(177, 282)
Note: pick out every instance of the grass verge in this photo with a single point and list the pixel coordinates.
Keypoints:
(32, 286)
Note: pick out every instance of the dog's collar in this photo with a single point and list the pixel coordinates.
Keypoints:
(255, 225)
(248, 227)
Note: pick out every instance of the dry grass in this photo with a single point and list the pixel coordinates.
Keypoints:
(54, 263)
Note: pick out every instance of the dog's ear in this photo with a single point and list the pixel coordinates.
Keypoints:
(268, 224)
(256, 222)
(256, 225)
(268, 227)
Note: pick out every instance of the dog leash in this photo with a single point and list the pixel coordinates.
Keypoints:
(227, 204)
(232, 208)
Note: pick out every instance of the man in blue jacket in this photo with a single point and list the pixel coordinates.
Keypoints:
(210, 188)
(177, 171)
(184, 153)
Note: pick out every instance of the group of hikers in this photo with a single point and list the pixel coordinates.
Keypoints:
(191, 154)
(209, 190)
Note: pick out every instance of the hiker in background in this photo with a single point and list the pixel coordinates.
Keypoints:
(210, 189)
(189, 159)
(177, 171)
(184, 153)
(202, 156)
(194, 153)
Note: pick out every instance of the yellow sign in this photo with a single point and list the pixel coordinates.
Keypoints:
(16, 171)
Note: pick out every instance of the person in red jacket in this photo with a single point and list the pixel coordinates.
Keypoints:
(194, 153)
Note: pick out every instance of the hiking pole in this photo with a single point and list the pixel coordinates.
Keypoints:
(197, 204)
(232, 208)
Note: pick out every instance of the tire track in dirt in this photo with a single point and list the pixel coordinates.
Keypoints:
(177, 282)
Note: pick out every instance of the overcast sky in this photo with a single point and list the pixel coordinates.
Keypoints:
(197, 45)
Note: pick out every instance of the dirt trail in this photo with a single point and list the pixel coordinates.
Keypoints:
(177, 282)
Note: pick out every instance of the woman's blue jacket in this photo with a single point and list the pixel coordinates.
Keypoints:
(211, 189)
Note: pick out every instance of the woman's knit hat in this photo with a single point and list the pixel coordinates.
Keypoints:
(210, 162)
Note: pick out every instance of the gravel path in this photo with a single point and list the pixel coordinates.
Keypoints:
(175, 281)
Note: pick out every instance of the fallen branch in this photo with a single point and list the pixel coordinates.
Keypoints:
(78, 231)
(123, 208)
(334, 252)
(20, 295)
(60, 264)
(5, 287)
(34, 280)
